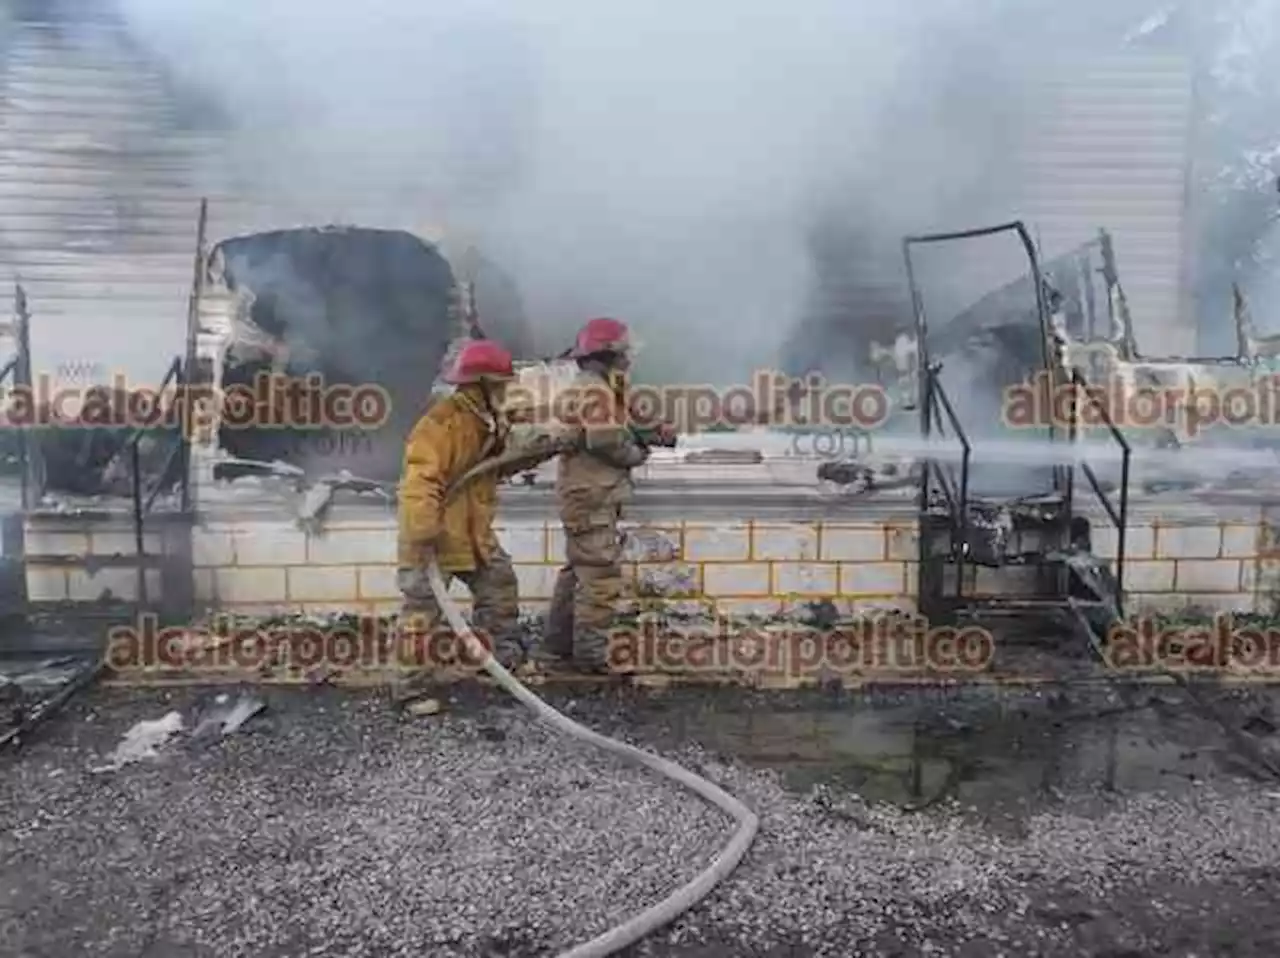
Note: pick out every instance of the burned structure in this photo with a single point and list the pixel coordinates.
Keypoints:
(354, 307)
(336, 307)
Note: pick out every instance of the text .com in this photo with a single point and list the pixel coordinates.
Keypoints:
(837, 444)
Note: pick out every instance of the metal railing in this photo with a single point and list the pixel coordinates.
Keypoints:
(1119, 515)
(179, 451)
(938, 413)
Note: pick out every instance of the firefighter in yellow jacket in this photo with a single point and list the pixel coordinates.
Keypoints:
(454, 435)
(593, 484)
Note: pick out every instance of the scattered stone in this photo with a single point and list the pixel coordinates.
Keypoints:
(420, 707)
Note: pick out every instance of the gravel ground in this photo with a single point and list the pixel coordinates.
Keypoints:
(329, 826)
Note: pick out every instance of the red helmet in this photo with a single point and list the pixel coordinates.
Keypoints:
(602, 335)
(478, 360)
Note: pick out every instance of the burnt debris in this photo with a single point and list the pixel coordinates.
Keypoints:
(357, 307)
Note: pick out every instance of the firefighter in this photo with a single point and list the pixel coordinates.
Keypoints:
(593, 484)
(456, 433)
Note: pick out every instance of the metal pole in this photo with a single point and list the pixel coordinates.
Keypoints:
(29, 460)
(1124, 527)
(138, 538)
(185, 378)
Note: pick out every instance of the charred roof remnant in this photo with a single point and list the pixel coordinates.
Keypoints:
(358, 307)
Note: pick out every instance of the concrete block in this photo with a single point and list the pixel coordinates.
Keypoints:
(257, 610)
(352, 547)
(209, 548)
(536, 581)
(325, 610)
(377, 583)
(791, 542)
(913, 580)
(1240, 541)
(674, 579)
(524, 542)
(651, 543)
(735, 579)
(123, 543)
(1144, 575)
(902, 542)
(323, 584)
(853, 542)
(1266, 584)
(1220, 575)
(47, 584)
(717, 542)
(875, 608)
(203, 586)
(748, 608)
(872, 578)
(45, 524)
(269, 544)
(1139, 541)
(108, 584)
(1188, 542)
(1221, 603)
(260, 585)
(1155, 603)
(806, 578)
(41, 542)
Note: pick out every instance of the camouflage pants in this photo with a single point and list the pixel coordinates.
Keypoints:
(588, 588)
(495, 605)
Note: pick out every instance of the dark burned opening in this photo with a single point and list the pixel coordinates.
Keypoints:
(360, 307)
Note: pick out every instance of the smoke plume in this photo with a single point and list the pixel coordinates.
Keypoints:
(656, 161)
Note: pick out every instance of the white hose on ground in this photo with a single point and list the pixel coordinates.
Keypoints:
(683, 898)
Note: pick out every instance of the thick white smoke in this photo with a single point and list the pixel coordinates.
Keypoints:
(654, 160)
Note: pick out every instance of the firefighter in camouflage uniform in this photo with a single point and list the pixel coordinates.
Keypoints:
(593, 484)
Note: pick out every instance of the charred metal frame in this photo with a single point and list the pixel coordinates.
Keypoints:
(941, 487)
(180, 452)
(917, 299)
(51, 706)
(953, 489)
(1119, 516)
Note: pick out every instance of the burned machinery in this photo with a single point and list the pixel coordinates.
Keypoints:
(992, 551)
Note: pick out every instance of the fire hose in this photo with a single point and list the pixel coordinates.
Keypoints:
(683, 898)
